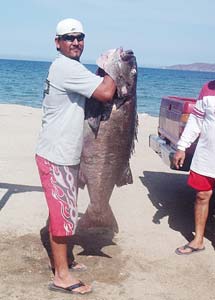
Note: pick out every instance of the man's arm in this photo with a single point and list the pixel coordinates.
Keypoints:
(106, 90)
(190, 133)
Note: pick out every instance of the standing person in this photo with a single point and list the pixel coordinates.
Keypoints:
(60, 143)
(201, 124)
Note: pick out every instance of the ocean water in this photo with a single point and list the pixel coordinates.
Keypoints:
(21, 82)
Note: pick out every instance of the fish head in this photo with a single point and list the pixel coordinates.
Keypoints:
(122, 67)
(126, 77)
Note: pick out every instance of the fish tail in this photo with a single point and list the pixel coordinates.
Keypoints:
(93, 218)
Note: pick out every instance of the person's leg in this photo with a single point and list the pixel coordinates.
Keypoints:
(72, 264)
(201, 214)
(59, 252)
(63, 278)
(60, 187)
(204, 186)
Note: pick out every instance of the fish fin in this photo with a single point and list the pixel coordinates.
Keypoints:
(104, 219)
(81, 179)
(125, 178)
(94, 124)
(93, 113)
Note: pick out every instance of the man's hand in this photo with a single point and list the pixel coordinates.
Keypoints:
(110, 62)
(178, 159)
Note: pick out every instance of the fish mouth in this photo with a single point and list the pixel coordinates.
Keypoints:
(126, 55)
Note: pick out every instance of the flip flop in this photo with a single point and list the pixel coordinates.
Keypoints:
(187, 246)
(68, 290)
(74, 266)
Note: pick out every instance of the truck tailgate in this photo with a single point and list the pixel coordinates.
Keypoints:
(174, 113)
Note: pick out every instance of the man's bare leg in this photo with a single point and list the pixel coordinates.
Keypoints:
(63, 277)
(201, 214)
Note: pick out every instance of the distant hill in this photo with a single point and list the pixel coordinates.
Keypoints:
(193, 67)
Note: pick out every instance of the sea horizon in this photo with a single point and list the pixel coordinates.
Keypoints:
(22, 83)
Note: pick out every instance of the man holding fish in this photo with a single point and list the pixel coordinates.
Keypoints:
(60, 142)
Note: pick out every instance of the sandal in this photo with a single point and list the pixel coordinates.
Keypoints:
(191, 250)
(70, 289)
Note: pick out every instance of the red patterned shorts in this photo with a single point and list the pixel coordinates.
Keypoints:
(60, 187)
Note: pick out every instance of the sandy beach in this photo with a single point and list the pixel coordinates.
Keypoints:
(154, 214)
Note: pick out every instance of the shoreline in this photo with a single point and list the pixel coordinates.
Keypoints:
(39, 108)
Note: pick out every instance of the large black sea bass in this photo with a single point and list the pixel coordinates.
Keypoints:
(110, 131)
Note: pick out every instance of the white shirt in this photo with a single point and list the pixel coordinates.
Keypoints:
(61, 136)
(201, 123)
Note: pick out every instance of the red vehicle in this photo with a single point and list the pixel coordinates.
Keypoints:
(174, 113)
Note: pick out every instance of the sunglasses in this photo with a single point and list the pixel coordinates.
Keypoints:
(71, 38)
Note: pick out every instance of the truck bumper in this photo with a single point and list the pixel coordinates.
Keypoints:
(166, 152)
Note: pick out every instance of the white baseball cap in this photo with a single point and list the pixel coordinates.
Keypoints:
(67, 26)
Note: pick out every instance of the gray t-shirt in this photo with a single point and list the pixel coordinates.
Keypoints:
(61, 135)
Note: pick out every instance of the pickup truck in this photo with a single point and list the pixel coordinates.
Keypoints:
(174, 113)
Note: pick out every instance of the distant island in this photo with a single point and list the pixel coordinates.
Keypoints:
(203, 67)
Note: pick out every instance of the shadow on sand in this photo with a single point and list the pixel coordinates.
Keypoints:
(92, 241)
(15, 189)
(172, 198)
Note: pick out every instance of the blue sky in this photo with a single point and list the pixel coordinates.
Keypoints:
(160, 32)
